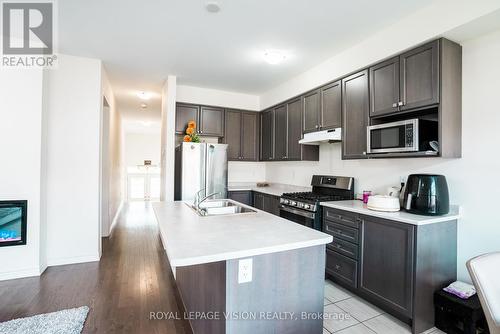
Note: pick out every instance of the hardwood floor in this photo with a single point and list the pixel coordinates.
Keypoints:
(132, 279)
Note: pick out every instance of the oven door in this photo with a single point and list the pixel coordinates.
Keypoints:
(299, 216)
(393, 137)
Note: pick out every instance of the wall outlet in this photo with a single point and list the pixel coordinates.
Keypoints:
(245, 270)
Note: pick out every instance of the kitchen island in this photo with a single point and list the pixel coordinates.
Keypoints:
(245, 273)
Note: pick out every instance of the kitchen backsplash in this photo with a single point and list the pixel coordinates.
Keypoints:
(246, 171)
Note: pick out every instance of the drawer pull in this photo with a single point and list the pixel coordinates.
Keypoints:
(337, 266)
(340, 248)
(340, 233)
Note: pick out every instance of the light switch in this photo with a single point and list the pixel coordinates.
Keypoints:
(245, 270)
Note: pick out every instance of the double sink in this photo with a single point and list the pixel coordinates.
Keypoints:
(220, 207)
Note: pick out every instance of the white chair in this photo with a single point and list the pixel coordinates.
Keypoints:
(485, 273)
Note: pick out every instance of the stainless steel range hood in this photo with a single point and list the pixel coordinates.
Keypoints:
(326, 136)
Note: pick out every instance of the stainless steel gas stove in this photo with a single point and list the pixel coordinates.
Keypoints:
(303, 207)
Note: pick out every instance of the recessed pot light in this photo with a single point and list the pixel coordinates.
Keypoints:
(274, 57)
(144, 95)
(144, 106)
(212, 7)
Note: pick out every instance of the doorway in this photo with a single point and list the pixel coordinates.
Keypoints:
(143, 184)
(142, 157)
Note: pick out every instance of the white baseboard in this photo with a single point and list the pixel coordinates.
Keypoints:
(43, 267)
(51, 262)
(20, 274)
(72, 260)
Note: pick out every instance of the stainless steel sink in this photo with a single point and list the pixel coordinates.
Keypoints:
(220, 207)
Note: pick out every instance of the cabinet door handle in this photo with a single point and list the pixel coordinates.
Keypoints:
(317, 126)
(395, 105)
(400, 104)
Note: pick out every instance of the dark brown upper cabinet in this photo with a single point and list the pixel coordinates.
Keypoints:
(183, 114)
(249, 136)
(355, 108)
(419, 76)
(267, 135)
(211, 121)
(312, 110)
(280, 132)
(384, 87)
(331, 106)
(406, 82)
(232, 135)
(241, 135)
(294, 128)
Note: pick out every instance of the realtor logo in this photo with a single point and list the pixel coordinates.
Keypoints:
(28, 34)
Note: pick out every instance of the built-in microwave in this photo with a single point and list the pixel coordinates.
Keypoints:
(411, 135)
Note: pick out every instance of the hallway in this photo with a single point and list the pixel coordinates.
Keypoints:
(132, 279)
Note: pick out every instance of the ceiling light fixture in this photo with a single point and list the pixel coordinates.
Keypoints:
(274, 57)
(144, 95)
(144, 105)
(212, 7)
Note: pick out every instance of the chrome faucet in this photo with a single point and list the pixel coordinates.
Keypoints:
(205, 198)
(197, 201)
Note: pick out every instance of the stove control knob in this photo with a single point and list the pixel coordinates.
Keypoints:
(300, 205)
(307, 206)
(293, 203)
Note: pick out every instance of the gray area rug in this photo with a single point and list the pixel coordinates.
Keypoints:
(61, 322)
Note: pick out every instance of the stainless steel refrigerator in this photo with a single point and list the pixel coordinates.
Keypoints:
(200, 167)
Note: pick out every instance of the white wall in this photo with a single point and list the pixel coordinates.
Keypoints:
(73, 106)
(142, 146)
(167, 155)
(198, 95)
(116, 176)
(20, 134)
(425, 24)
(473, 180)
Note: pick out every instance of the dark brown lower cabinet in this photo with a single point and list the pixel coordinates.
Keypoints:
(266, 202)
(243, 196)
(393, 265)
(387, 263)
(342, 268)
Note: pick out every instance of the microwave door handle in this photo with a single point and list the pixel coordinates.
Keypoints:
(408, 201)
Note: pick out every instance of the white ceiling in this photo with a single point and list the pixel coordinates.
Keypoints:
(141, 42)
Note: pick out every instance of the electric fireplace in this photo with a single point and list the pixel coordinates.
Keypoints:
(13, 223)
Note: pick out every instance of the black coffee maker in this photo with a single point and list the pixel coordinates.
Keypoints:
(426, 194)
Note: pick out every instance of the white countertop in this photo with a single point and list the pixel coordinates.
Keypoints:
(275, 189)
(400, 216)
(190, 239)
